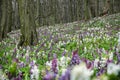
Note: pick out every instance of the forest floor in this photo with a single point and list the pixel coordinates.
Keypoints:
(109, 21)
(89, 40)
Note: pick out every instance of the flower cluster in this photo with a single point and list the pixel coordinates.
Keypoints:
(34, 71)
(80, 72)
(75, 58)
(54, 65)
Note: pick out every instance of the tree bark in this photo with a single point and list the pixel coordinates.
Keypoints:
(38, 13)
(27, 19)
(6, 18)
(15, 16)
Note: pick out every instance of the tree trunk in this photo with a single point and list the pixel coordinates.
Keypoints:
(15, 16)
(87, 12)
(38, 13)
(6, 18)
(27, 19)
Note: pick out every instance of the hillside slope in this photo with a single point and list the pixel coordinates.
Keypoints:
(92, 45)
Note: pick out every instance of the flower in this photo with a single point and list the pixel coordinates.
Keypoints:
(100, 72)
(96, 63)
(54, 66)
(111, 56)
(48, 76)
(3, 76)
(118, 37)
(48, 65)
(103, 62)
(89, 64)
(34, 73)
(113, 69)
(118, 58)
(75, 58)
(32, 63)
(62, 61)
(65, 75)
(85, 49)
(80, 72)
(21, 64)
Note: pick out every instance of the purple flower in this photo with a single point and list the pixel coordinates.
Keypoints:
(89, 64)
(32, 63)
(54, 56)
(54, 65)
(118, 58)
(48, 76)
(27, 58)
(21, 64)
(101, 71)
(65, 76)
(64, 53)
(75, 58)
(109, 61)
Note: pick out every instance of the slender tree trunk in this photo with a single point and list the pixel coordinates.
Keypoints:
(27, 19)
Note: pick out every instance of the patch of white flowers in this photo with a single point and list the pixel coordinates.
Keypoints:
(64, 61)
(3, 76)
(113, 69)
(103, 62)
(80, 72)
(35, 73)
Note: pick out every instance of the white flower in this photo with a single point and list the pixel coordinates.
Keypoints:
(103, 62)
(85, 49)
(103, 49)
(35, 73)
(48, 65)
(80, 72)
(62, 61)
(119, 40)
(113, 69)
(96, 63)
(118, 37)
(3, 76)
(111, 56)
